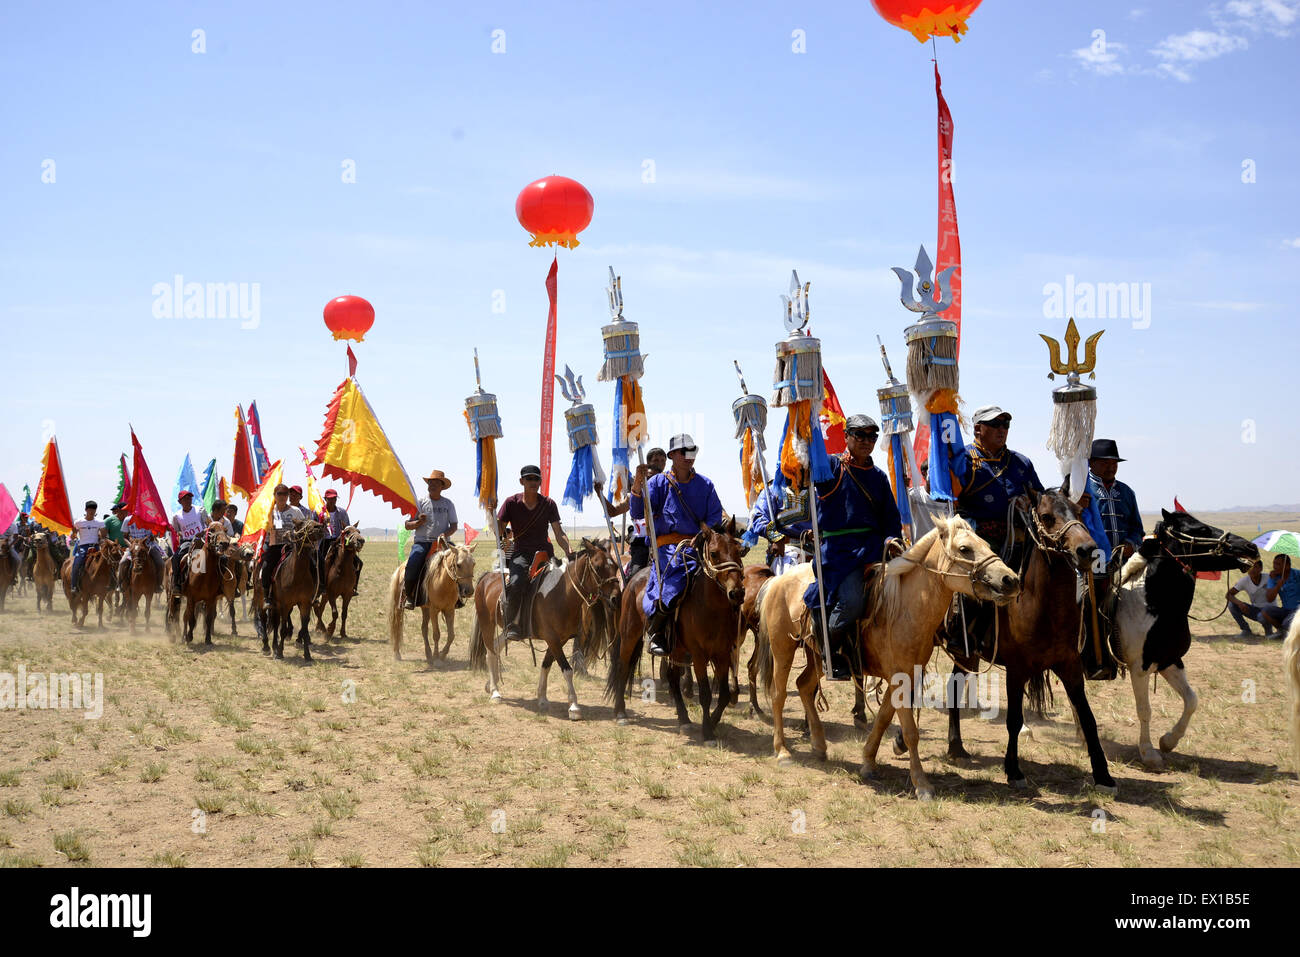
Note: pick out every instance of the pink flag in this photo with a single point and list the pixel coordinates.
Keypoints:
(470, 533)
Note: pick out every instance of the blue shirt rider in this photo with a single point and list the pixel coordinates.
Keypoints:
(683, 503)
(987, 476)
(1115, 500)
(856, 513)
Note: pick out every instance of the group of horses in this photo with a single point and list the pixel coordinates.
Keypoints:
(586, 601)
(1038, 629)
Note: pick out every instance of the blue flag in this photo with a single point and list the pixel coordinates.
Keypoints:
(185, 481)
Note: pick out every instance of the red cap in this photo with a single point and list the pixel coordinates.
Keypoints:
(184, 493)
(296, 488)
(331, 494)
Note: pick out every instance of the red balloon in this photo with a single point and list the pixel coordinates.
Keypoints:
(928, 18)
(349, 317)
(554, 209)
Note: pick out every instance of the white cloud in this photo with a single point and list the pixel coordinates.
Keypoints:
(1291, 243)
(1137, 13)
(1278, 17)
(1181, 50)
(1101, 58)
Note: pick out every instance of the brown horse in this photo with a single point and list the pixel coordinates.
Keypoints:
(8, 568)
(896, 637)
(204, 581)
(141, 580)
(340, 580)
(293, 585)
(43, 571)
(756, 577)
(707, 623)
(96, 581)
(234, 584)
(561, 611)
(448, 581)
(1039, 632)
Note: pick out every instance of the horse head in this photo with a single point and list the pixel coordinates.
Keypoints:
(215, 537)
(603, 569)
(1201, 546)
(462, 561)
(967, 555)
(352, 539)
(720, 555)
(307, 533)
(1059, 526)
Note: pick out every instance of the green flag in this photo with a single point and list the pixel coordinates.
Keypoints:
(209, 486)
(403, 539)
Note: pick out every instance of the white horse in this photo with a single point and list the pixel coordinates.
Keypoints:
(1155, 595)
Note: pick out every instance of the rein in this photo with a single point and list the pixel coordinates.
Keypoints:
(587, 572)
(1218, 548)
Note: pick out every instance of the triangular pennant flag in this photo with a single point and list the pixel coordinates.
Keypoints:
(832, 418)
(243, 479)
(354, 448)
(27, 500)
(314, 500)
(51, 507)
(185, 481)
(8, 509)
(262, 460)
(470, 534)
(145, 506)
(209, 496)
(259, 508)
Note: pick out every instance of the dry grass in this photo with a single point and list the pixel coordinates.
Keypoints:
(220, 756)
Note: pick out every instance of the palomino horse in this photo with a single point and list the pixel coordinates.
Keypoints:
(96, 581)
(293, 585)
(43, 571)
(141, 581)
(1039, 632)
(912, 593)
(562, 610)
(1291, 665)
(340, 580)
(708, 620)
(1154, 598)
(448, 581)
(203, 581)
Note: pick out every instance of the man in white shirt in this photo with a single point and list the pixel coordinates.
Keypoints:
(88, 530)
(187, 524)
(1254, 586)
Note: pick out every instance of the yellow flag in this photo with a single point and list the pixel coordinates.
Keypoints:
(259, 510)
(354, 448)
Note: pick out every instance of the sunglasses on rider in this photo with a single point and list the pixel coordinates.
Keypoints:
(864, 435)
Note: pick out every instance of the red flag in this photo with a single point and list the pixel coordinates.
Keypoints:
(352, 362)
(470, 534)
(243, 479)
(146, 506)
(949, 243)
(548, 380)
(124, 493)
(832, 418)
(51, 507)
(223, 490)
(1207, 576)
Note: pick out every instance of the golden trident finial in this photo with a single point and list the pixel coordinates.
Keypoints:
(1074, 366)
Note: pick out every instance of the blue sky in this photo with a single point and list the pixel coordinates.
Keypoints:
(1112, 159)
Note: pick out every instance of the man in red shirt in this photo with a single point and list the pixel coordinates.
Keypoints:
(527, 514)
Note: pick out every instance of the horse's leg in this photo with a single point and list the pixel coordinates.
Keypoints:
(621, 657)
(958, 683)
(1142, 698)
(807, 685)
(884, 715)
(99, 613)
(346, 598)
(148, 609)
(727, 692)
(449, 623)
(1015, 721)
(209, 619)
(752, 669)
(700, 664)
(907, 718)
(490, 637)
(566, 669)
(304, 616)
(542, 703)
(429, 620)
(782, 650)
(191, 615)
(1071, 676)
(1177, 678)
(675, 686)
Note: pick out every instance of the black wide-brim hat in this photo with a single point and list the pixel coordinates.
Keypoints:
(1105, 449)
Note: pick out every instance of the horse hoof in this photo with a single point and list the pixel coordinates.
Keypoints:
(1110, 790)
(867, 773)
(542, 705)
(900, 748)
(861, 723)
(1167, 743)
(575, 713)
(784, 760)
(925, 794)
(1020, 784)
(1153, 761)
(496, 698)
(819, 755)
(685, 728)
(622, 721)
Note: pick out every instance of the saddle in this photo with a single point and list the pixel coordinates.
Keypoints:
(544, 575)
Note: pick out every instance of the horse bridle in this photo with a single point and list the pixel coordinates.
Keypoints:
(587, 571)
(1218, 546)
(977, 567)
(707, 565)
(1051, 541)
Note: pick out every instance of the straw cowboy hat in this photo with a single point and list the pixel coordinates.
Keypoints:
(437, 475)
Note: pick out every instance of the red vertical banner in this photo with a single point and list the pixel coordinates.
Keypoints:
(949, 252)
(548, 381)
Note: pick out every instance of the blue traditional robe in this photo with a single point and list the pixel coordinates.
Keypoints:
(677, 509)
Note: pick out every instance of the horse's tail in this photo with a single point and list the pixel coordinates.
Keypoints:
(593, 641)
(1291, 664)
(763, 653)
(477, 638)
(617, 677)
(395, 603)
(1039, 692)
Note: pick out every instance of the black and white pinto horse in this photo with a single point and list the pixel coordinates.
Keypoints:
(1155, 596)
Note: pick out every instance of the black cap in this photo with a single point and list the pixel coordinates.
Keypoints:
(117, 505)
(530, 471)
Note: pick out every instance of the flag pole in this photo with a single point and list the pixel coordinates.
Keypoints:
(490, 416)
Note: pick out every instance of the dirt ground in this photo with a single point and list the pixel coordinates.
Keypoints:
(218, 755)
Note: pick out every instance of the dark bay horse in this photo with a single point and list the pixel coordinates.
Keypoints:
(203, 581)
(141, 581)
(562, 610)
(1039, 631)
(293, 585)
(96, 581)
(708, 621)
(340, 581)
(44, 571)
(9, 569)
